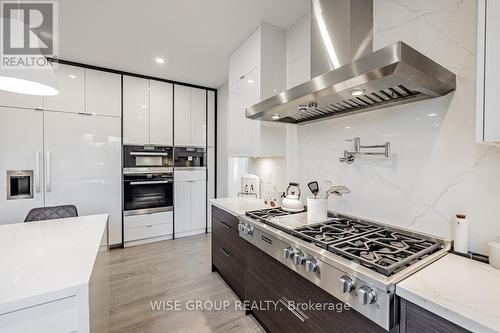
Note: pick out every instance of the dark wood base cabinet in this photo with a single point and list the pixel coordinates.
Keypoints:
(415, 319)
(269, 280)
(228, 250)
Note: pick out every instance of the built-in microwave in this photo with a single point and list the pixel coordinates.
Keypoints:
(147, 158)
(190, 157)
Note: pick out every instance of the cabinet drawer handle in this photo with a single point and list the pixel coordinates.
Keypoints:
(225, 225)
(224, 252)
(299, 314)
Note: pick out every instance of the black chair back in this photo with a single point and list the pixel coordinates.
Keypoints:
(51, 213)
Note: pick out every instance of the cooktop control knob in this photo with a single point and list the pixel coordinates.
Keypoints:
(311, 265)
(289, 252)
(249, 229)
(346, 284)
(298, 258)
(366, 295)
(241, 227)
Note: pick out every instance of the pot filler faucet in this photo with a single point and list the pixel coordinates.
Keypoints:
(349, 155)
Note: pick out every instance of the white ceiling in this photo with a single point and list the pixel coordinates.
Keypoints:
(195, 37)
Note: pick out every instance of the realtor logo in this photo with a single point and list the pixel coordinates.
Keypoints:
(29, 33)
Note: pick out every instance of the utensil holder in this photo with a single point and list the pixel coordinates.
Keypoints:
(317, 210)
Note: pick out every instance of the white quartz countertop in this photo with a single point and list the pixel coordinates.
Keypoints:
(44, 260)
(237, 206)
(461, 290)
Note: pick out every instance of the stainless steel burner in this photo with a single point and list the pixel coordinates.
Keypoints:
(385, 251)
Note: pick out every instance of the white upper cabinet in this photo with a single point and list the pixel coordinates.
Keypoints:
(246, 137)
(103, 93)
(198, 117)
(246, 58)
(161, 113)
(71, 86)
(488, 72)
(182, 115)
(135, 110)
(20, 100)
(190, 116)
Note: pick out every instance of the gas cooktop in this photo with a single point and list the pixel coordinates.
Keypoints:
(381, 248)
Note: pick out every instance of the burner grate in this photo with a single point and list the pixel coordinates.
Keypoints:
(385, 251)
(334, 230)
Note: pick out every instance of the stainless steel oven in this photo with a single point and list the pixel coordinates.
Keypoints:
(147, 159)
(146, 193)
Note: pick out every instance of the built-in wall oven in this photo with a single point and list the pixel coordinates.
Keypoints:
(147, 193)
(148, 183)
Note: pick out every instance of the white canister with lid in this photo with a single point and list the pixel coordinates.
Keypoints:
(461, 239)
(317, 210)
(494, 254)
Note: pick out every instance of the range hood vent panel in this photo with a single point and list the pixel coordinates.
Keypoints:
(396, 74)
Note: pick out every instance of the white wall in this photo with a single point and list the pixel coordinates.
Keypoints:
(437, 169)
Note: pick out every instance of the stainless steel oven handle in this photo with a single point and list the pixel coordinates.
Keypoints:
(138, 153)
(151, 182)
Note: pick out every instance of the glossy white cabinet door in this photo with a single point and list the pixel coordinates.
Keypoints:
(103, 93)
(245, 58)
(182, 118)
(82, 160)
(71, 86)
(20, 150)
(198, 192)
(161, 113)
(135, 110)
(182, 207)
(211, 119)
(198, 117)
(20, 100)
(491, 119)
(244, 133)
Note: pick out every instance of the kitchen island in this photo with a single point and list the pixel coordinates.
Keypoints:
(46, 268)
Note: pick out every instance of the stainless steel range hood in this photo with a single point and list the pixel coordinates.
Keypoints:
(354, 81)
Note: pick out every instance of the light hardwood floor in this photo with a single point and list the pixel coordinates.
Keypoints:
(125, 281)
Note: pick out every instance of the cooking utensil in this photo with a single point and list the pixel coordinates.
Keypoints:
(314, 187)
(337, 190)
(292, 203)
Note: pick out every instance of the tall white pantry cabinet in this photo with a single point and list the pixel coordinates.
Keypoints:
(71, 142)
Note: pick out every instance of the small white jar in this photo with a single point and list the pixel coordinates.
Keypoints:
(494, 254)
(317, 210)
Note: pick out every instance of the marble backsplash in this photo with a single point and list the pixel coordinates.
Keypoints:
(436, 169)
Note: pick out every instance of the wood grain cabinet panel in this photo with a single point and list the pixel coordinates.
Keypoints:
(415, 319)
(228, 251)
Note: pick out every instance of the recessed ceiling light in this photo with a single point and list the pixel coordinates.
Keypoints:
(250, 81)
(72, 76)
(275, 116)
(144, 106)
(160, 60)
(357, 92)
(347, 127)
(432, 114)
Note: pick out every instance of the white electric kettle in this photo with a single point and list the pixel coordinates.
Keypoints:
(292, 203)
